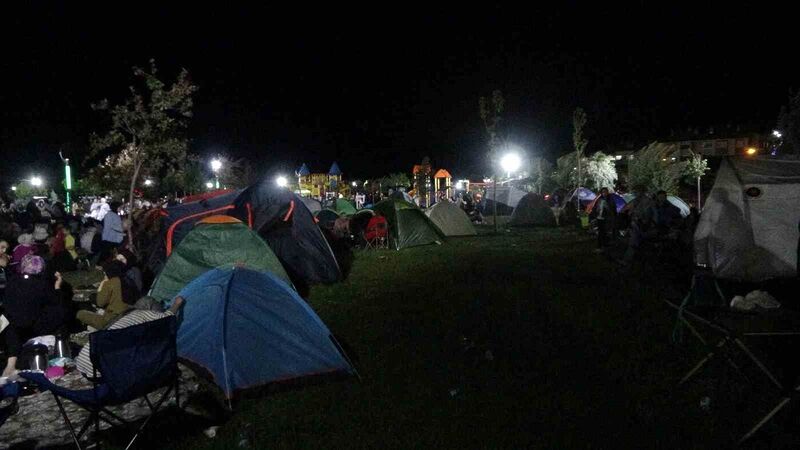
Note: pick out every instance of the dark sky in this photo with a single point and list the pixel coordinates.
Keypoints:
(379, 89)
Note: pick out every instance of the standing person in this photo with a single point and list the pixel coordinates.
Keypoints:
(109, 296)
(606, 217)
(113, 233)
(34, 307)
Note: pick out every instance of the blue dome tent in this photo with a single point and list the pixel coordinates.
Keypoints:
(248, 329)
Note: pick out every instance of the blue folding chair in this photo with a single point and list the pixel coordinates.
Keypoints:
(132, 362)
(9, 391)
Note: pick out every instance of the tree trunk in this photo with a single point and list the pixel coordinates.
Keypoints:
(699, 203)
(494, 202)
(136, 167)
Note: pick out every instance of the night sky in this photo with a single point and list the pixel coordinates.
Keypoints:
(376, 90)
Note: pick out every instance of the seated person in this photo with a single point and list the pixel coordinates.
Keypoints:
(131, 277)
(33, 306)
(109, 296)
(146, 309)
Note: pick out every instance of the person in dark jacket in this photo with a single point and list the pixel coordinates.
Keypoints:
(33, 307)
(606, 216)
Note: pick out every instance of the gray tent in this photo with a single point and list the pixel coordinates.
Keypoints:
(532, 210)
(749, 227)
(313, 205)
(451, 219)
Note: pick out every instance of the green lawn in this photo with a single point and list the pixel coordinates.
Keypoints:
(582, 357)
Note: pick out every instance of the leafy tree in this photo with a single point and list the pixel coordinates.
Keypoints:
(147, 130)
(579, 141)
(394, 180)
(653, 168)
(600, 171)
(540, 172)
(696, 166)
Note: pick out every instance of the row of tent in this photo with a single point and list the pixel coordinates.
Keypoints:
(409, 226)
(234, 257)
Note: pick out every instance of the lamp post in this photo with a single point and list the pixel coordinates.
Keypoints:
(36, 181)
(509, 162)
(68, 184)
(281, 181)
(216, 165)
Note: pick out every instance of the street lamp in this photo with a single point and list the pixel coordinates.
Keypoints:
(510, 162)
(777, 134)
(13, 188)
(209, 185)
(148, 182)
(751, 151)
(36, 181)
(216, 165)
(281, 181)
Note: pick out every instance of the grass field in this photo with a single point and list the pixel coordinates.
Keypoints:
(581, 356)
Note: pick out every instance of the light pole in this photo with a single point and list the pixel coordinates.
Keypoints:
(281, 181)
(216, 165)
(509, 162)
(36, 181)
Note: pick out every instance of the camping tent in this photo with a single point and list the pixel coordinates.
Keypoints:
(217, 241)
(408, 225)
(313, 205)
(178, 220)
(532, 210)
(326, 218)
(631, 203)
(343, 207)
(451, 219)
(280, 217)
(246, 329)
(619, 202)
(507, 199)
(401, 195)
(584, 195)
(749, 226)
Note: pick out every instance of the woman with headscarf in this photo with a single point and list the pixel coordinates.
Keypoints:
(109, 296)
(34, 307)
(24, 248)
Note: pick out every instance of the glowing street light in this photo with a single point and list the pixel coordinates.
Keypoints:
(148, 182)
(510, 162)
(777, 134)
(13, 188)
(36, 181)
(216, 165)
(210, 185)
(751, 151)
(281, 181)
(355, 184)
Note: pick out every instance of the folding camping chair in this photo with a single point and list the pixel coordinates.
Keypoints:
(132, 362)
(377, 233)
(732, 329)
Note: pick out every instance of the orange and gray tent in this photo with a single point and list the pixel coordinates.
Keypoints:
(280, 218)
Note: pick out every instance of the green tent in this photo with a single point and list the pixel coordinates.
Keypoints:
(408, 225)
(451, 219)
(343, 207)
(217, 241)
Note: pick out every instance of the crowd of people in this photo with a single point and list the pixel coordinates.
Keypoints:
(34, 298)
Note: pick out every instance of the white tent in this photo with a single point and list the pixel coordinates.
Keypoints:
(506, 195)
(749, 226)
(451, 219)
